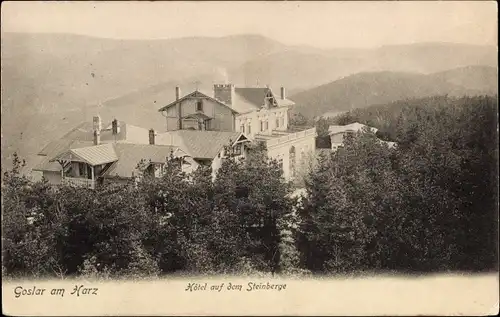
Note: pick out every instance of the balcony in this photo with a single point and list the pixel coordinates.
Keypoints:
(78, 182)
(280, 137)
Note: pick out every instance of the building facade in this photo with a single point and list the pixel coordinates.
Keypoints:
(253, 111)
(197, 111)
(89, 155)
(338, 132)
(200, 130)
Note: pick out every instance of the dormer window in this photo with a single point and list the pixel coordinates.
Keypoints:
(199, 105)
(237, 149)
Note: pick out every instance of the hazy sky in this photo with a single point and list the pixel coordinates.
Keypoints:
(320, 24)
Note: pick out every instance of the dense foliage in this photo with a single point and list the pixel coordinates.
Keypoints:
(176, 223)
(428, 204)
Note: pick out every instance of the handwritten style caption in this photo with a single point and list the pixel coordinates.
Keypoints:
(78, 290)
(249, 287)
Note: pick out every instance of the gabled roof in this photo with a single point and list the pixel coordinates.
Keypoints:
(195, 94)
(93, 155)
(353, 127)
(46, 164)
(56, 147)
(129, 156)
(200, 144)
(84, 132)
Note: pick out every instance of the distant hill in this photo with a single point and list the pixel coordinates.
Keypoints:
(50, 82)
(482, 78)
(53, 71)
(50, 72)
(368, 88)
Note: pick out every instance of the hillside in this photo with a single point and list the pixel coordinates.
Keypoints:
(51, 71)
(368, 88)
(483, 78)
(304, 69)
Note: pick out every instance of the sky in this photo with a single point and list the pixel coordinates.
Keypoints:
(324, 24)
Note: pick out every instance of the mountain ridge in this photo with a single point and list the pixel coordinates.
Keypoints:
(50, 82)
(367, 88)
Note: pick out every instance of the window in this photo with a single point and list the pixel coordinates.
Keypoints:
(277, 123)
(242, 128)
(68, 169)
(261, 125)
(249, 128)
(282, 121)
(150, 171)
(199, 105)
(82, 170)
(237, 149)
(266, 126)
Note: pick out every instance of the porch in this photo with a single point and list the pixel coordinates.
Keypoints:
(78, 182)
(82, 167)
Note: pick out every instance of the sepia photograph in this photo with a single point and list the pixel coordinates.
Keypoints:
(249, 158)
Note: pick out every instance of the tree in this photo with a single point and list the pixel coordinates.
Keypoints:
(415, 207)
(253, 199)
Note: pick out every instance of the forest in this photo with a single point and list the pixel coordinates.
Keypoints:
(430, 204)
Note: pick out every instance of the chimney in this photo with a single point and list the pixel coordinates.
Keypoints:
(97, 137)
(224, 93)
(179, 116)
(96, 129)
(283, 94)
(114, 127)
(177, 93)
(96, 123)
(151, 136)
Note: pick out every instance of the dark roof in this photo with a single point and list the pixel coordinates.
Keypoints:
(201, 144)
(255, 96)
(249, 99)
(195, 94)
(129, 156)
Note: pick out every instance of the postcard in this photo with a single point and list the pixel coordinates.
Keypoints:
(255, 158)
